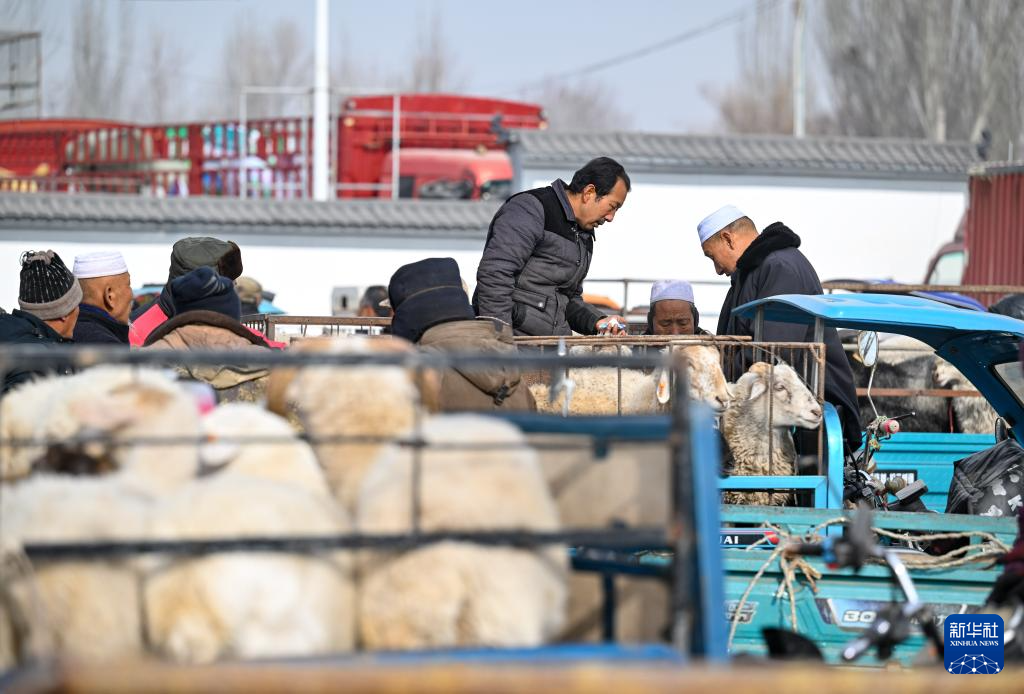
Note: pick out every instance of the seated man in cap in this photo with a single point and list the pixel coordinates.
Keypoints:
(205, 315)
(770, 264)
(106, 298)
(433, 310)
(673, 311)
(48, 297)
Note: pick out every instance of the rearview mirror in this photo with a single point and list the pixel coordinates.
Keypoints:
(867, 347)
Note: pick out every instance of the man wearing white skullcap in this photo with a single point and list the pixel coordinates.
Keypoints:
(673, 311)
(771, 264)
(106, 298)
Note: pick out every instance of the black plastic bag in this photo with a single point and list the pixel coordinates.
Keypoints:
(989, 483)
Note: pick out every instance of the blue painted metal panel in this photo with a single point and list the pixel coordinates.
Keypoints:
(929, 457)
(705, 457)
(833, 456)
(846, 603)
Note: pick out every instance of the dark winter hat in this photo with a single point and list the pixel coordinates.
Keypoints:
(205, 290)
(48, 289)
(425, 294)
(203, 251)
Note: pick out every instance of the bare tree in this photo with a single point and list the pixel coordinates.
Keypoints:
(916, 68)
(164, 60)
(99, 61)
(582, 106)
(761, 99)
(276, 57)
(434, 66)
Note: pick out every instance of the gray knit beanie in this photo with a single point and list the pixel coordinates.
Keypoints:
(48, 289)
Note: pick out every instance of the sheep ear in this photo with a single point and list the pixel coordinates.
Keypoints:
(214, 454)
(757, 390)
(664, 390)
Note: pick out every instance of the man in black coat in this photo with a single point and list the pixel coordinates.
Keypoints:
(538, 253)
(770, 264)
(106, 298)
(48, 296)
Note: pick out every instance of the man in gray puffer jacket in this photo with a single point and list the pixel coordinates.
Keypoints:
(538, 252)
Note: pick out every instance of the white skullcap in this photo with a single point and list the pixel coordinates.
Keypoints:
(663, 290)
(716, 221)
(99, 264)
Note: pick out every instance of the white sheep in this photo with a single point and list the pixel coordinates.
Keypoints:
(248, 604)
(346, 405)
(457, 593)
(749, 432)
(408, 600)
(74, 603)
(77, 609)
(251, 604)
(120, 414)
(597, 389)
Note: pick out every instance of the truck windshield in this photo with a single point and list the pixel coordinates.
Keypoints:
(1012, 376)
(499, 189)
(949, 269)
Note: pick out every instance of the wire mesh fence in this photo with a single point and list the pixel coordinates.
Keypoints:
(121, 447)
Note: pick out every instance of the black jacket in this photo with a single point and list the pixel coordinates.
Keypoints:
(96, 326)
(534, 263)
(23, 328)
(771, 266)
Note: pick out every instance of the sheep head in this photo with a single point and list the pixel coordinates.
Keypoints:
(792, 403)
(703, 365)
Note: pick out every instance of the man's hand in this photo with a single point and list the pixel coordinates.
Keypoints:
(611, 325)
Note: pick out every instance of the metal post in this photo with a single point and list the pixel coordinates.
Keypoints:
(759, 324)
(819, 337)
(243, 147)
(396, 143)
(320, 104)
(799, 87)
(683, 574)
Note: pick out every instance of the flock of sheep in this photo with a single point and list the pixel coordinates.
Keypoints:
(241, 470)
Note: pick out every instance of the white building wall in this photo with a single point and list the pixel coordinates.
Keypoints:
(850, 228)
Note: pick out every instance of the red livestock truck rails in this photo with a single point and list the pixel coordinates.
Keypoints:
(448, 147)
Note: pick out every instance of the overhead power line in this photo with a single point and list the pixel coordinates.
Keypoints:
(636, 54)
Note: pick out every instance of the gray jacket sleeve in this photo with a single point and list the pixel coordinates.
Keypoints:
(517, 230)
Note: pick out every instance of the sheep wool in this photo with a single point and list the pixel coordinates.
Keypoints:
(82, 610)
(248, 604)
(460, 594)
(750, 433)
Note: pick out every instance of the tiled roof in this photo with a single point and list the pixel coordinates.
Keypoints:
(845, 157)
(404, 218)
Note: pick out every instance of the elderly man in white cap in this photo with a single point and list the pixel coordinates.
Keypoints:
(106, 298)
(673, 311)
(770, 264)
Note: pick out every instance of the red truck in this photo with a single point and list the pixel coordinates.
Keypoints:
(449, 147)
(988, 246)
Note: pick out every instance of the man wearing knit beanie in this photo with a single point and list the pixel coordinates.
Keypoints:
(48, 297)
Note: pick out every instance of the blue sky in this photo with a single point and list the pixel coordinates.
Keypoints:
(498, 46)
